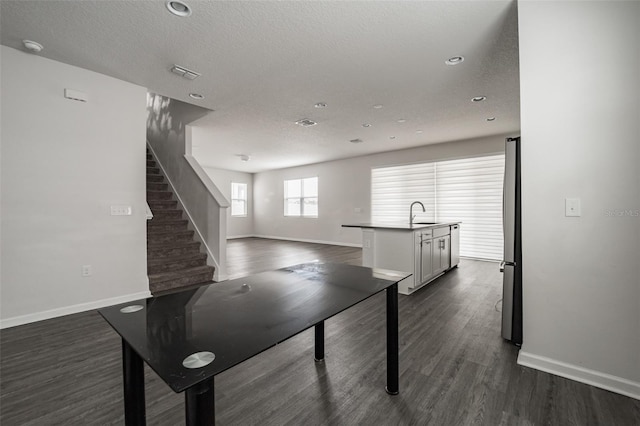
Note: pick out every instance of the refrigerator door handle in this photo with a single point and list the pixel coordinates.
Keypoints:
(502, 266)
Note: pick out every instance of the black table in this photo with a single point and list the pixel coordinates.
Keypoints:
(189, 337)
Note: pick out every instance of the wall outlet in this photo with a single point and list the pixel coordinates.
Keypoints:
(86, 270)
(367, 243)
(121, 210)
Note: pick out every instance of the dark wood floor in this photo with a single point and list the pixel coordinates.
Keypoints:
(454, 367)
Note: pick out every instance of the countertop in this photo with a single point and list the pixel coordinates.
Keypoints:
(399, 225)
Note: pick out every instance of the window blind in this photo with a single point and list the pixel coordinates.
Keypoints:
(468, 190)
(393, 189)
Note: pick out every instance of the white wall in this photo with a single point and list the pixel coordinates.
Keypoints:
(344, 186)
(64, 163)
(237, 227)
(579, 68)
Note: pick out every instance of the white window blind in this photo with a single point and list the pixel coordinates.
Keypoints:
(467, 190)
(470, 191)
(393, 189)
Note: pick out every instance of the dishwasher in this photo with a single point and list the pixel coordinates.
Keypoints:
(455, 245)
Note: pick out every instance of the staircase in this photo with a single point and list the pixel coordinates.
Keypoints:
(174, 259)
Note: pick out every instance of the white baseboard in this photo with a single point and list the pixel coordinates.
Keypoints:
(73, 309)
(579, 374)
(236, 237)
(304, 240)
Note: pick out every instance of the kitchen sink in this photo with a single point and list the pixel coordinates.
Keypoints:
(425, 223)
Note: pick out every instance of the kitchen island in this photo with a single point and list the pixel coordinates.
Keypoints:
(426, 250)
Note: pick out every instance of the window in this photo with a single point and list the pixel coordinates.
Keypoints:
(301, 197)
(238, 199)
(468, 190)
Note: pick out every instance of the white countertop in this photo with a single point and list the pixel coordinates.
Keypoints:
(399, 226)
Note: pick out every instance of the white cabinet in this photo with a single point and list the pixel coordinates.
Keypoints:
(424, 252)
(426, 261)
(441, 254)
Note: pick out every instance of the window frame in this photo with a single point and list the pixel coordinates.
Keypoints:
(245, 200)
(302, 198)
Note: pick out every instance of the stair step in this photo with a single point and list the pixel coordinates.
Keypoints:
(158, 195)
(151, 163)
(157, 186)
(155, 225)
(166, 214)
(153, 170)
(155, 178)
(157, 266)
(170, 237)
(186, 277)
(162, 205)
(149, 156)
(168, 251)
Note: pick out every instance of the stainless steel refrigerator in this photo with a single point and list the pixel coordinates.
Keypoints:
(511, 266)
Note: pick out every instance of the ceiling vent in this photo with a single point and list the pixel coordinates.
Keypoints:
(305, 122)
(184, 72)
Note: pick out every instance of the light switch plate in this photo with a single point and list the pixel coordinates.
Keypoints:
(86, 270)
(121, 211)
(572, 207)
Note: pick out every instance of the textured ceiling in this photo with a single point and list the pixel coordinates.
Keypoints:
(265, 64)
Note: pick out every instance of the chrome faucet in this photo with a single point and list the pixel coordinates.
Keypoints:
(411, 215)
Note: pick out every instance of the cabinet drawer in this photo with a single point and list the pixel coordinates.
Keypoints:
(441, 232)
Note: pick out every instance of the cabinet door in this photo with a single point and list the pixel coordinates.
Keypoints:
(417, 260)
(436, 257)
(445, 259)
(426, 261)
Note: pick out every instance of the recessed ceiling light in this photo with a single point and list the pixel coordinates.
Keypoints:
(196, 96)
(366, 125)
(454, 60)
(178, 8)
(419, 131)
(244, 157)
(320, 105)
(491, 119)
(401, 120)
(32, 46)
(478, 99)
(378, 106)
(356, 141)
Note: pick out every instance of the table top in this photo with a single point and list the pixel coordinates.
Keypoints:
(238, 319)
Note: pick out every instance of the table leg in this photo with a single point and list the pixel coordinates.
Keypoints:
(319, 355)
(133, 378)
(392, 340)
(200, 404)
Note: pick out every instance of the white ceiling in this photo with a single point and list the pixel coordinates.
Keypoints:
(265, 64)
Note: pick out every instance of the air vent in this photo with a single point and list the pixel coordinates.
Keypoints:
(184, 72)
(305, 122)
